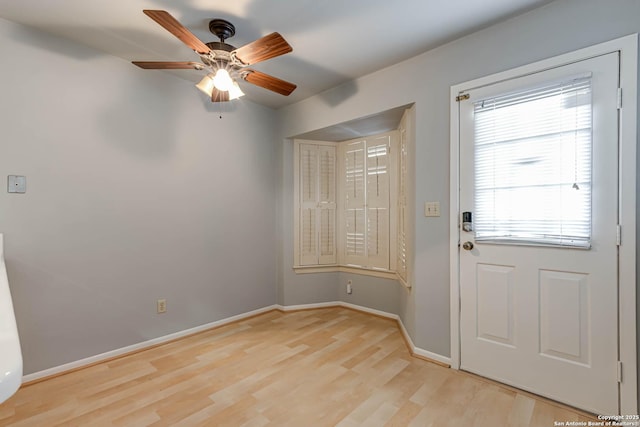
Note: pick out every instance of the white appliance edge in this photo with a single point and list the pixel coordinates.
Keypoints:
(11, 355)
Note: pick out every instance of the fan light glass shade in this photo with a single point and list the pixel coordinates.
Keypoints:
(206, 84)
(222, 80)
(211, 81)
(235, 92)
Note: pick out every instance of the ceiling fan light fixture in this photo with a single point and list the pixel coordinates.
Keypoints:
(235, 92)
(222, 80)
(206, 85)
(222, 60)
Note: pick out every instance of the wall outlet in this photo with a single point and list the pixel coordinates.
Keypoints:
(349, 289)
(161, 305)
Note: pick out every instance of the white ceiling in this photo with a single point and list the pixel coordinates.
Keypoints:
(333, 40)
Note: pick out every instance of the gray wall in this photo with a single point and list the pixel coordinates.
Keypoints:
(559, 27)
(136, 190)
(125, 205)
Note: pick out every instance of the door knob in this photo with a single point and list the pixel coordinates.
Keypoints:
(467, 246)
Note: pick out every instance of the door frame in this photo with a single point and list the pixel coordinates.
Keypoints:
(628, 48)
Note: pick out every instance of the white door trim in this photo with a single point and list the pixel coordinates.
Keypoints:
(628, 48)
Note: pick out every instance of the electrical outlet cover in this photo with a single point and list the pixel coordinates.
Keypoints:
(17, 184)
(162, 305)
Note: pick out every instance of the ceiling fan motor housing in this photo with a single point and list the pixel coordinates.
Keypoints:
(221, 51)
(223, 29)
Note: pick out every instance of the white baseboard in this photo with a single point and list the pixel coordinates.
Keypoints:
(56, 370)
(415, 350)
(370, 311)
(422, 352)
(139, 346)
(308, 306)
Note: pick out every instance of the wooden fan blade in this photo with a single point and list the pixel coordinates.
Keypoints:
(172, 25)
(159, 65)
(219, 96)
(269, 82)
(262, 49)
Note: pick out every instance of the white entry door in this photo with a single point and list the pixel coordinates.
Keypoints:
(538, 266)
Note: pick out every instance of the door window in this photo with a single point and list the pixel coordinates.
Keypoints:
(533, 165)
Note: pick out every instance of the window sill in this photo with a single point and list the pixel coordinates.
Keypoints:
(384, 274)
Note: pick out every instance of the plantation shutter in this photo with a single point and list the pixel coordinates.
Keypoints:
(317, 204)
(533, 166)
(401, 249)
(366, 202)
(327, 253)
(378, 202)
(355, 203)
(308, 203)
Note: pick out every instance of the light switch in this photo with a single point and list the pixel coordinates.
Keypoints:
(17, 184)
(432, 209)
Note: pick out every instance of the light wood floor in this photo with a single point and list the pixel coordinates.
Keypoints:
(322, 367)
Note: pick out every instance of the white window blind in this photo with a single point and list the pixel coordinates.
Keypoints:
(533, 166)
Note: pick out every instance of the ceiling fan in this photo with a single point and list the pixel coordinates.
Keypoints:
(223, 62)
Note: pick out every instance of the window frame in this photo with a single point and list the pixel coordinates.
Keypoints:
(516, 232)
(394, 179)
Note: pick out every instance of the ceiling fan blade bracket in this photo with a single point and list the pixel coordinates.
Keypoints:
(237, 62)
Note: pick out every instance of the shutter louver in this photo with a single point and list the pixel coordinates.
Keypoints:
(355, 233)
(309, 173)
(533, 166)
(354, 171)
(327, 175)
(308, 246)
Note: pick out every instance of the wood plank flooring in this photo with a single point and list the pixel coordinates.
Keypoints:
(325, 367)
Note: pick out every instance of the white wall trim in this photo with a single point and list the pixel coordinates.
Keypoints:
(420, 351)
(71, 366)
(56, 370)
(370, 311)
(628, 47)
(412, 347)
(287, 308)
(627, 256)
